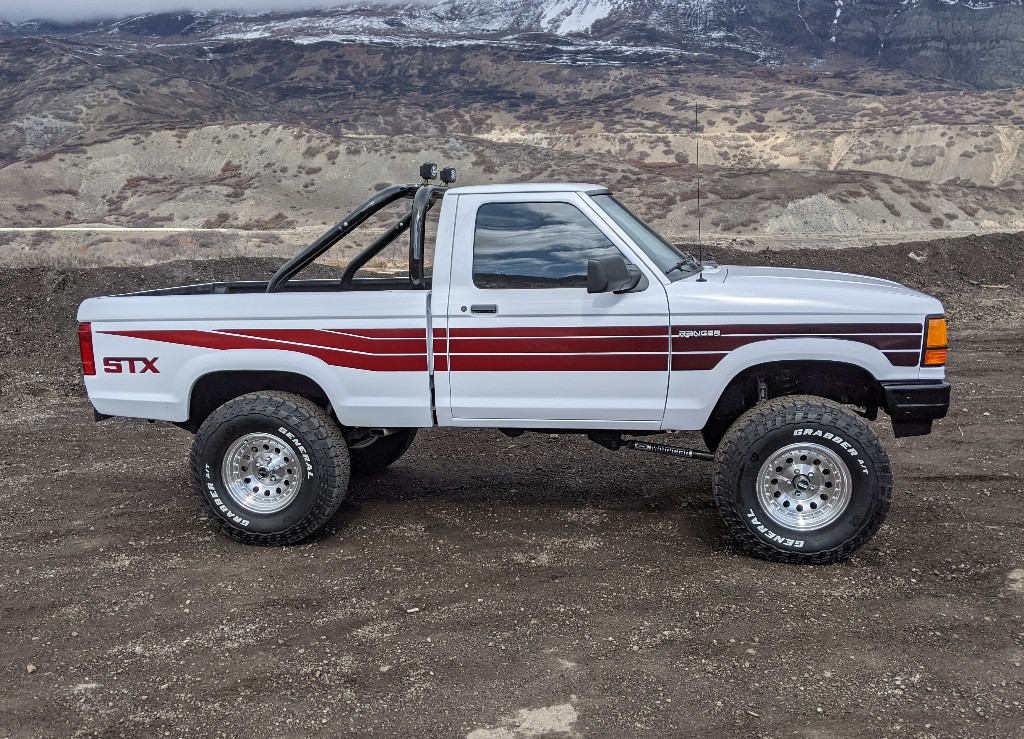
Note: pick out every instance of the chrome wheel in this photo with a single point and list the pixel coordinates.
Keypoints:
(804, 487)
(262, 473)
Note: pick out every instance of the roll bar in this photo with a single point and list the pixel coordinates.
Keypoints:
(421, 205)
(376, 246)
(353, 220)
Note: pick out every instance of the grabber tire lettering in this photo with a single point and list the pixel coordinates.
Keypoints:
(270, 468)
(802, 480)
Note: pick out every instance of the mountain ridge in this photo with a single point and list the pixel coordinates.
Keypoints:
(977, 42)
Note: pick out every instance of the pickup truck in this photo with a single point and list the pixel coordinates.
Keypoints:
(545, 308)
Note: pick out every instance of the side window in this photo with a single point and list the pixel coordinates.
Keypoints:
(534, 245)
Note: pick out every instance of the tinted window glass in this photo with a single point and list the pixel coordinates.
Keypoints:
(672, 261)
(534, 245)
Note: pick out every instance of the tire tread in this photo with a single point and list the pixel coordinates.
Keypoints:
(300, 413)
(774, 414)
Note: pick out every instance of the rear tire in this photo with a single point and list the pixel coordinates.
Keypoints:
(379, 452)
(802, 480)
(269, 468)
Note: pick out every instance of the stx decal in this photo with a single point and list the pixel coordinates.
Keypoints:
(130, 365)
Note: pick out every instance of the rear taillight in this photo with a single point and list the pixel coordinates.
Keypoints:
(935, 342)
(85, 346)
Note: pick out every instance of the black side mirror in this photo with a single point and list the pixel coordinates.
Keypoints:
(611, 274)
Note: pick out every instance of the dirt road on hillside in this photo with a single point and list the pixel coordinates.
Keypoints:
(495, 589)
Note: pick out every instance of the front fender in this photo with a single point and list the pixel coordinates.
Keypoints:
(692, 394)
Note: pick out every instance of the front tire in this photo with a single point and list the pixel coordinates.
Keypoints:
(802, 480)
(270, 468)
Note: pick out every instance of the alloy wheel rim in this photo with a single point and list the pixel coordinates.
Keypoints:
(804, 486)
(262, 473)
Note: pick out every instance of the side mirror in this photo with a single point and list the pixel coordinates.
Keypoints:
(611, 274)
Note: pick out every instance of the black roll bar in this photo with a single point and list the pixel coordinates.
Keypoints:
(375, 247)
(422, 203)
(340, 230)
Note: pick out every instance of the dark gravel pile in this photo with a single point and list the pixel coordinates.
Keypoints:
(492, 588)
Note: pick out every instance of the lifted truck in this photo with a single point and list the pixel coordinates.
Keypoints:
(549, 307)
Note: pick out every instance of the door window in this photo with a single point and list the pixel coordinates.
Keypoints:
(534, 245)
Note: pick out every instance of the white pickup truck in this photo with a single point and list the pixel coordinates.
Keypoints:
(546, 307)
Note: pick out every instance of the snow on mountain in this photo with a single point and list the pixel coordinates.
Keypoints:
(976, 41)
(573, 16)
(652, 26)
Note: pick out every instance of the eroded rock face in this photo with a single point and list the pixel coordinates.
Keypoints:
(981, 43)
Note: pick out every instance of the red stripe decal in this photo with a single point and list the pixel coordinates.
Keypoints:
(884, 336)
(903, 359)
(591, 345)
(539, 349)
(336, 340)
(558, 362)
(381, 333)
(691, 362)
(728, 343)
(808, 328)
(333, 357)
(561, 331)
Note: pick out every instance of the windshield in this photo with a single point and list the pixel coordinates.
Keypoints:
(672, 261)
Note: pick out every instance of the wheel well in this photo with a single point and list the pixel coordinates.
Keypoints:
(838, 381)
(213, 390)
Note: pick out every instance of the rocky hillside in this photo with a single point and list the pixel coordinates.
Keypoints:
(979, 42)
(276, 127)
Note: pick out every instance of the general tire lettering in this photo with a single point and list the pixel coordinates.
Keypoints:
(772, 425)
(319, 443)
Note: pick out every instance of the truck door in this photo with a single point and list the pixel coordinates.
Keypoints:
(525, 343)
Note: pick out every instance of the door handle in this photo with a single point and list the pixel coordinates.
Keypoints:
(484, 308)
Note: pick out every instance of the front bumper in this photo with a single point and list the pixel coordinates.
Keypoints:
(914, 405)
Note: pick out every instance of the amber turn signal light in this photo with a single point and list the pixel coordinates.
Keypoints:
(935, 343)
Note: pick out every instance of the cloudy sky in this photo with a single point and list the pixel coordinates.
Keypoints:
(74, 10)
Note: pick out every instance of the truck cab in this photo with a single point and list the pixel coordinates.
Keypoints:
(544, 307)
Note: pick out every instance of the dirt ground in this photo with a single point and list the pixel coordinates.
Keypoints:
(507, 589)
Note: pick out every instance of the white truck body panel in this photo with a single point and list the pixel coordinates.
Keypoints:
(554, 357)
(367, 350)
(803, 315)
(655, 358)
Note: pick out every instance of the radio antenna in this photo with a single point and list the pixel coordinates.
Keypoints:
(700, 243)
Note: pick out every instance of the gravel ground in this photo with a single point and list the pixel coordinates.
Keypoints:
(507, 589)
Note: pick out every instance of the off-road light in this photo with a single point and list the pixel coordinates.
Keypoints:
(428, 171)
(448, 175)
(85, 346)
(935, 342)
